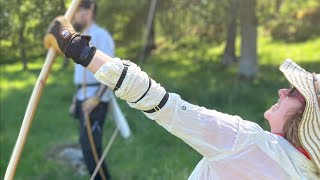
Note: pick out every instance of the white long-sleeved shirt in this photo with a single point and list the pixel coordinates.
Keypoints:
(102, 40)
(232, 148)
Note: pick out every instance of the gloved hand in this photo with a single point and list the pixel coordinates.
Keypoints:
(59, 34)
(62, 37)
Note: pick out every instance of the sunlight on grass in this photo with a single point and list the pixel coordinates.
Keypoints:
(17, 83)
(215, 50)
(13, 78)
(271, 52)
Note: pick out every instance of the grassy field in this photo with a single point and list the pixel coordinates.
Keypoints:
(192, 70)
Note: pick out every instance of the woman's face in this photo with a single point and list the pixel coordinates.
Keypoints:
(289, 102)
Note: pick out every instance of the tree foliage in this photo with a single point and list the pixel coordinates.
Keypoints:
(24, 22)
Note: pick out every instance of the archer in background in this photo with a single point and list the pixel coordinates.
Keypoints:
(91, 100)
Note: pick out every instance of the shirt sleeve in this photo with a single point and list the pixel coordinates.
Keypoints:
(208, 131)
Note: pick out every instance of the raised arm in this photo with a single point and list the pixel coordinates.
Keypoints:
(207, 131)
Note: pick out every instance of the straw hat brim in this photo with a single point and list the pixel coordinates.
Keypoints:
(309, 128)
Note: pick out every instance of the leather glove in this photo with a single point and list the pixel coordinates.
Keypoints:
(59, 34)
(63, 38)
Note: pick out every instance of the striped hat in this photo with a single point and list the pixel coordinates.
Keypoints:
(308, 85)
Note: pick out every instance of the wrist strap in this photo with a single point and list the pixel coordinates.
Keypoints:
(87, 55)
(79, 49)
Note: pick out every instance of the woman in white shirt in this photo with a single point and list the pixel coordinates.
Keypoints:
(232, 148)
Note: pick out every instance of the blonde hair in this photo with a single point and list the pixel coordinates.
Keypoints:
(291, 127)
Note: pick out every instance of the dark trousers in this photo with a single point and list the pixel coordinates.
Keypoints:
(97, 118)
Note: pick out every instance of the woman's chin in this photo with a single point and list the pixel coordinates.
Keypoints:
(267, 115)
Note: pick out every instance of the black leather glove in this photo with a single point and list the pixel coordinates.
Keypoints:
(74, 45)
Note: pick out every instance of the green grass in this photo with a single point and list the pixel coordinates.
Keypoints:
(193, 71)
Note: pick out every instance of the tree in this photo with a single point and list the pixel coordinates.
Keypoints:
(248, 64)
(277, 6)
(24, 23)
(149, 33)
(22, 16)
(229, 55)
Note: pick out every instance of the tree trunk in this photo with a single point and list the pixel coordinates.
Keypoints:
(150, 42)
(21, 39)
(62, 5)
(24, 58)
(229, 50)
(21, 44)
(248, 66)
(150, 33)
(278, 6)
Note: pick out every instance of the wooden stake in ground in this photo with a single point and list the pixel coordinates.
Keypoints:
(33, 102)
